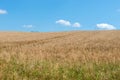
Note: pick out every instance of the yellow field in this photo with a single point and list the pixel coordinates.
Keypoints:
(77, 55)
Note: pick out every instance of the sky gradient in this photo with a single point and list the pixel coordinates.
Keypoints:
(59, 15)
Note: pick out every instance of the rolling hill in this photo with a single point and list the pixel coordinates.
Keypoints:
(75, 55)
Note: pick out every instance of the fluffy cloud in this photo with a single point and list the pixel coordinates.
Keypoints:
(105, 26)
(28, 26)
(76, 24)
(68, 23)
(63, 22)
(3, 11)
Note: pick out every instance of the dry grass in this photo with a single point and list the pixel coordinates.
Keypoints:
(80, 55)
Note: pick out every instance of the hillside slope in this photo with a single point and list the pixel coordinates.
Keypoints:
(77, 55)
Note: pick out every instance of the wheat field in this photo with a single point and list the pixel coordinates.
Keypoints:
(75, 55)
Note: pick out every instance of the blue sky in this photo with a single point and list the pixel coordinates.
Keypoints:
(59, 15)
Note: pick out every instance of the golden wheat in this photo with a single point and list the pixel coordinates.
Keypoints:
(60, 49)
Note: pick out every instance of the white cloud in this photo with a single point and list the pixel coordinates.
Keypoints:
(105, 26)
(76, 24)
(3, 11)
(28, 26)
(64, 22)
(68, 23)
